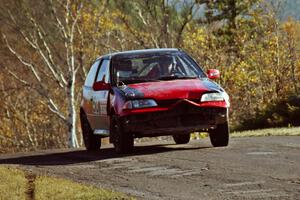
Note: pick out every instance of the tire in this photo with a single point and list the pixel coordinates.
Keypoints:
(123, 141)
(92, 142)
(219, 137)
(181, 139)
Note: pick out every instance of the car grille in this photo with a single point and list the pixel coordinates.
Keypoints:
(182, 115)
(170, 102)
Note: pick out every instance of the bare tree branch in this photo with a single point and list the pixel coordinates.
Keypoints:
(22, 60)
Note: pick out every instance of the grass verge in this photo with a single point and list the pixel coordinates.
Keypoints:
(292, 131)
(12, 184)
(17, 184)
(57, 188)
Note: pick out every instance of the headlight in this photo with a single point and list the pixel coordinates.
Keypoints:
(212, 97)
(216, 96)
(141, 103)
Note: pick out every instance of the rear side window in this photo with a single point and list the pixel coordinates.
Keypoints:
(90, 78)
(103, 72)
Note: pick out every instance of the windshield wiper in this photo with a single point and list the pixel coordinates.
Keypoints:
(176, 77)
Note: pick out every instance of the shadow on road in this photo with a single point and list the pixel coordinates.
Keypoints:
(81, 156)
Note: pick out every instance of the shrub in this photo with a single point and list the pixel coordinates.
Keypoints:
(283, 113)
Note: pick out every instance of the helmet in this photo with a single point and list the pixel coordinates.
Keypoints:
(165, 64)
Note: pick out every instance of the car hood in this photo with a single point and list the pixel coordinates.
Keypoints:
(173, 89)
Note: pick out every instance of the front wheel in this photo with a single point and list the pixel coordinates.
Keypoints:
(92, 142)
(219, 137)
(181, 139)
(123, 141)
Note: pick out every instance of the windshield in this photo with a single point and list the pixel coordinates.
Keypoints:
(154, 67)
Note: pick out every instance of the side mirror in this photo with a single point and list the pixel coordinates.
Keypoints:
(213, 73)
(101, 85)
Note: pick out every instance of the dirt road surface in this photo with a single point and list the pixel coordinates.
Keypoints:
(250, 168)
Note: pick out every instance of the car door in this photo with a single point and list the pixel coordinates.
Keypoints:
(87, 101)
(101, 121)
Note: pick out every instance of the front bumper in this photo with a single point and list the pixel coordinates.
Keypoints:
(184, 118)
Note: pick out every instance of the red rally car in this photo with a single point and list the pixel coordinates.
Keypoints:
(153, 92)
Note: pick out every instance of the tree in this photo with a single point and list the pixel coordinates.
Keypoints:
(52, 57)
(227, 12)
(156, 24)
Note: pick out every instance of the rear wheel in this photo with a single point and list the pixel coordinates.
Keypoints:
(219, 137)
(181, 139)
(92, 142)
(123, 141)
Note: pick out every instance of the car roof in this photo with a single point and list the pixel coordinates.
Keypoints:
(141, 51)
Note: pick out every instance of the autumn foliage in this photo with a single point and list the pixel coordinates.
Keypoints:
(256, 52)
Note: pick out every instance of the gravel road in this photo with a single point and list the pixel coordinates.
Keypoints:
(249, 168)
